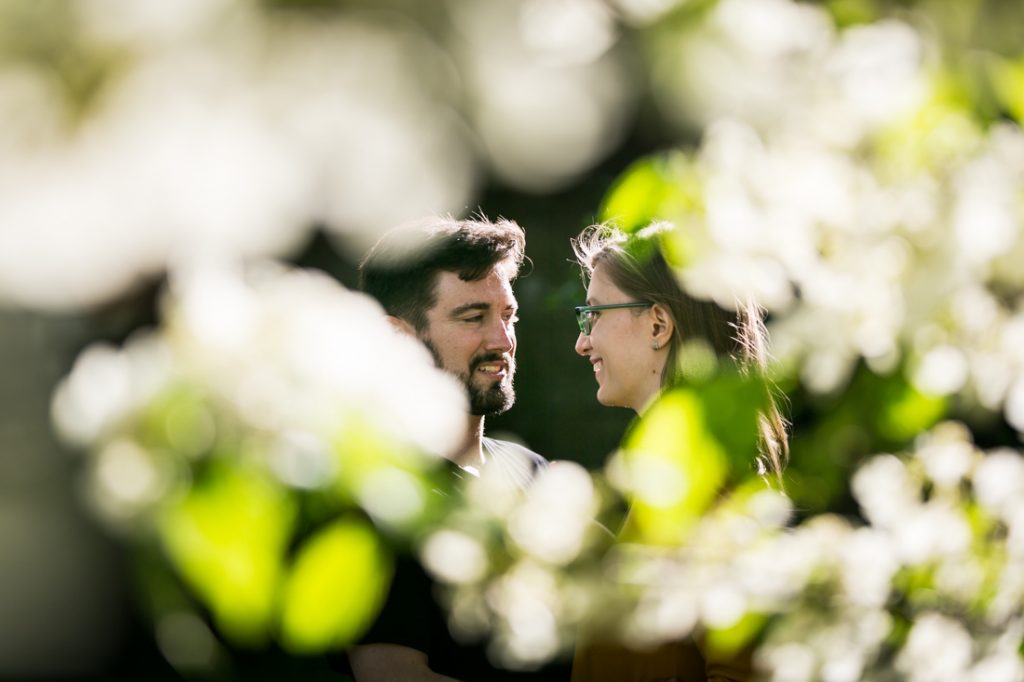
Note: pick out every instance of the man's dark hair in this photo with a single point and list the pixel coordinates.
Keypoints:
(401, 270)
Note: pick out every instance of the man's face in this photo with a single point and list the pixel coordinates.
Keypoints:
(471, 332)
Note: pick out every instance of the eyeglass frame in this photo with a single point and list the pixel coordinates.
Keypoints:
(586, 323)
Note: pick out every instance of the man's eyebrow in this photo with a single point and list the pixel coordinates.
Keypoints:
(466, 307)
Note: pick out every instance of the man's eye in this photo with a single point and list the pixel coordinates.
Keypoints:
(474, 318)
(512, 317)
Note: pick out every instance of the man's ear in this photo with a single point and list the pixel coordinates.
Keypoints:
(662, 326)
(401, 325)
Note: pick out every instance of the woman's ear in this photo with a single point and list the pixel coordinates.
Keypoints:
(662, 326)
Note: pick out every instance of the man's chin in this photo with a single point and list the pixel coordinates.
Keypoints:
(491, 401)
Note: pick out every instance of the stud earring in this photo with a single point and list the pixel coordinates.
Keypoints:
(655, 345)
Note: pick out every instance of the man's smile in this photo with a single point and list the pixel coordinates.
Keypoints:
(495, 369)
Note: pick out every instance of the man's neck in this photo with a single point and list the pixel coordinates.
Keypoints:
(471, 454)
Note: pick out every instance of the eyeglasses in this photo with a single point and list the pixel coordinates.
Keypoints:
(585, 313)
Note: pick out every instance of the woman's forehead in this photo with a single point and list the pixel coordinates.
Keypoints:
(601, 286)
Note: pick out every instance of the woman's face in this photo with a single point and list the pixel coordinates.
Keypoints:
(619, 347)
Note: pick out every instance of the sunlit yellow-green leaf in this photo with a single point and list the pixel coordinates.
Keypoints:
(661, 187)
(851, 12)
(227, 539)
(387, 477)
(675, 468)
(1008, 80)
(939, 132)
(908, 412)
(728, 643)
(733, 403)
(335, 588)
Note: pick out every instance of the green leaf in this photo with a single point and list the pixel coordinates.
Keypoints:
(1008, 81)
(733, 404)
(227, 538)
(675, 468)
(366, 452)
(335, 589)
(908, 412)
(728, 643)
(848, 13)
(658, 187)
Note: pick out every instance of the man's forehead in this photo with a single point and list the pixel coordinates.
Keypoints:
(494, 288)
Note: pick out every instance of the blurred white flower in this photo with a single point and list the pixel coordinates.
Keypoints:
(223, 128)
(999, 480)
(877, 70)
(663, 615)
(568, 31)
(127, 480)
(454, 556)
(1015, 404)
(552, 521)
(1003, 666)
(885, 491)
(655, 479)
(763, 48)
(942, 371)
(931, 531)
(790, 662)
(303, 460)
(143, 24)
(722, 605)
(1006, 602)
(869, 562)
(985, 222)
(938, 649)
(289, 363)
(960, 579)
(947, 454)
(547, 104)
(527, 600)
(391, 496)
(297, 351)
(107, 386)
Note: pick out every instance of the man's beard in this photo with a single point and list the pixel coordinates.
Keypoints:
(488, 401)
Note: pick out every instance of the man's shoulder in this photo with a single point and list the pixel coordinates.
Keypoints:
(518, 462)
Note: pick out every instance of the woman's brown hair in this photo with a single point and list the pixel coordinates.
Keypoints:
(636, 265)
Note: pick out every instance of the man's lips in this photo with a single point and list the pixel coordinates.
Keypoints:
(598, 364)
(493, 368)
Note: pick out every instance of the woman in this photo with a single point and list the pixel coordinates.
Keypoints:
(632, 330)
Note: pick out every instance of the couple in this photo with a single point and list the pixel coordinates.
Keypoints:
(449, 283)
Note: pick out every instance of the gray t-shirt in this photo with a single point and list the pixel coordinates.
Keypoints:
(516, 463)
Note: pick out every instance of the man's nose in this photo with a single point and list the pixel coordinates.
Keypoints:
(502, 337)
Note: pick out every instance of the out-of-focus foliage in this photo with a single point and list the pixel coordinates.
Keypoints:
(254, 436)
(852, 177)
(855, 165)
(138, 135)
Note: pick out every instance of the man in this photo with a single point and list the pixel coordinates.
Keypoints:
(449, 283)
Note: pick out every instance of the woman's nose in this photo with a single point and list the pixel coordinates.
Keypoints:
(583, 344)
